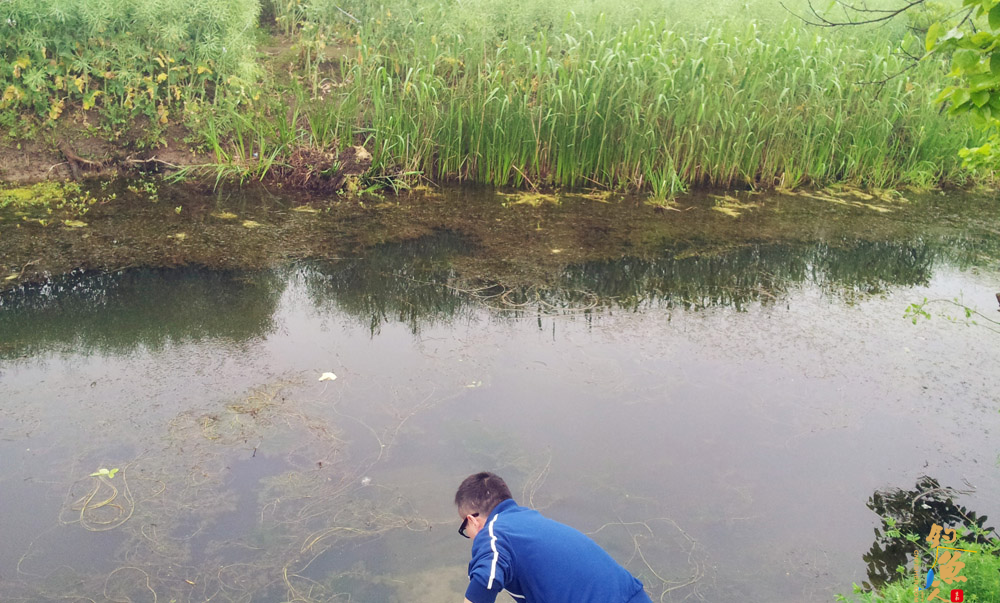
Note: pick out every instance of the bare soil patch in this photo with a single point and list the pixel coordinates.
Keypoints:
(74, 149)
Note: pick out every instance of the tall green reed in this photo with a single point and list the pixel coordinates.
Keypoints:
(647, 106)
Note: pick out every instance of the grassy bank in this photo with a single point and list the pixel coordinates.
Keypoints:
(646, 97)
(647, 107)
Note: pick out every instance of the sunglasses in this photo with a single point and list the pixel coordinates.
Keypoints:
(465, 524)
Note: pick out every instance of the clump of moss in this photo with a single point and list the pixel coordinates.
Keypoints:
(43, 194)
(47, 202)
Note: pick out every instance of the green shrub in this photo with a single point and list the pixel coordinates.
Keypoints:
(142, 56)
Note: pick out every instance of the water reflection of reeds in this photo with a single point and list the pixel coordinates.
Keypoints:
(392, 284)
(418, 282)
(119, 312)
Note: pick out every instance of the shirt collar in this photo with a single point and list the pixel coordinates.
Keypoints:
(507, 504)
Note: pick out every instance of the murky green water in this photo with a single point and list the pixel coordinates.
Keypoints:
(715, 409)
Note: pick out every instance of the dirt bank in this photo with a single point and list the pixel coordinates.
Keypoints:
(74, 149)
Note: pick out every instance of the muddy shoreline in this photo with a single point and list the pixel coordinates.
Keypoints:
(517, 239)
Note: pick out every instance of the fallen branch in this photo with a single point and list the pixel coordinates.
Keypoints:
(75, 161)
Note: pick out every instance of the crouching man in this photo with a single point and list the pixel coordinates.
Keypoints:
(533, 558)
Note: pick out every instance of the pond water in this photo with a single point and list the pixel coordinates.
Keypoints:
(715, 410)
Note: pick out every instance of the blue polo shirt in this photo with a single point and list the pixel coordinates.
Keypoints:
(538, 560)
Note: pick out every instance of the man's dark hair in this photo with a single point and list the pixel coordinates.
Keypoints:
(480, 492)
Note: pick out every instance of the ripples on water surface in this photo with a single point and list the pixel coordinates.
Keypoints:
(717, 418)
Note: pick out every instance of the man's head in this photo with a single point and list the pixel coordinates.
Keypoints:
(476, 498)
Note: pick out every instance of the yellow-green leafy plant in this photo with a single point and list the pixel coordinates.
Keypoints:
(128, 57)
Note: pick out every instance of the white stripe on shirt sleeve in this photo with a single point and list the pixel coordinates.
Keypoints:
(493, 545)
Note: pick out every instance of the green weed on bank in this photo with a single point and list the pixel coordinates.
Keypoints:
(124, 57)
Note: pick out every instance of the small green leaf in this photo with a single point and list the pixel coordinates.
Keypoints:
(980, 39)
(995, 61)
(960, 97)
(932, 35)
(964, 59)
(983, 81)
(952, 34)
(979, 116)
(100, 472)
(944, 94)
(980, 98)
(962, 109)
(112, 473)
(995, 17)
